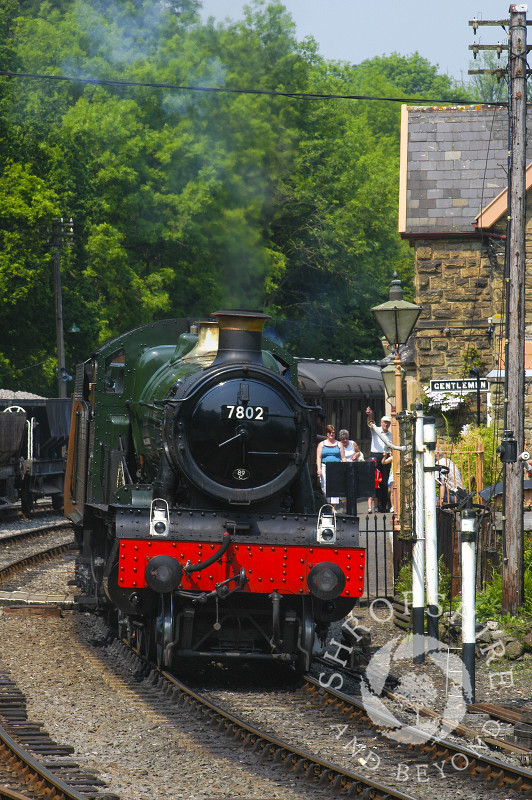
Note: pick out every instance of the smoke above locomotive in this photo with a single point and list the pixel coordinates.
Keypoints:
(188, 483)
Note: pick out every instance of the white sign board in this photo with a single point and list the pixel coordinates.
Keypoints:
(463, 386)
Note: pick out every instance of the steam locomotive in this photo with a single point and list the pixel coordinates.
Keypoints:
(187, 480)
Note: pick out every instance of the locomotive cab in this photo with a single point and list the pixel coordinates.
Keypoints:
(189, 485)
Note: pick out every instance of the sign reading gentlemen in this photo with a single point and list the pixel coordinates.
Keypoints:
(463, 386)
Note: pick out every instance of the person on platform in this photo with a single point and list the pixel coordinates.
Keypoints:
(450, 479)
(351, 449)
(352, 453)
(372, 501)
(329, 451)
(381, 441)
(387, 459)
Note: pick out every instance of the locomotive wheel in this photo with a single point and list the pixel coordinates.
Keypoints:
(164, 630)
(143, 640)
(122, 623)
(306, 637)
(125, 629)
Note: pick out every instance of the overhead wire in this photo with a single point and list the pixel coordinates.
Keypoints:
(256, 91)
(226, 90)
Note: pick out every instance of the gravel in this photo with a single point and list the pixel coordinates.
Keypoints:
(120, 728)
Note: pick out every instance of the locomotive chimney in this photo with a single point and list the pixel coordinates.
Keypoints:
(240, 336)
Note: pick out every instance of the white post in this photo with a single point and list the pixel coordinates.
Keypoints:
(468, 601)
(431, 539)
(418, 548)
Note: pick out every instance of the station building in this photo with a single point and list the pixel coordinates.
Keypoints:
(453, 207)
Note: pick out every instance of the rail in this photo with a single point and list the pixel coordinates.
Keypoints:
(38, 777)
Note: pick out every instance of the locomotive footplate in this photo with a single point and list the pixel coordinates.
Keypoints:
(209, 526)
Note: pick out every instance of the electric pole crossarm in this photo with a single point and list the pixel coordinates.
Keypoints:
(499, 73)
(498, 47)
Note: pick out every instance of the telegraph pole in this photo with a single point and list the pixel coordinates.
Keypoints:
(62, 233)
(513, 567)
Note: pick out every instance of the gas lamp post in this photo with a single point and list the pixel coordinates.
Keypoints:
(388, 377)
(396, 318)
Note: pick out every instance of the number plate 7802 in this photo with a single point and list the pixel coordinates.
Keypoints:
(256, 413)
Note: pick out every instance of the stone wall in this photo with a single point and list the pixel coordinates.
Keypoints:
(459, 283)
(460, 289)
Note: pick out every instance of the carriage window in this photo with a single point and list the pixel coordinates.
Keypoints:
(115, 366)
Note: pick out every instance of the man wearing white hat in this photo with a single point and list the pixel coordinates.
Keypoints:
(381, 442)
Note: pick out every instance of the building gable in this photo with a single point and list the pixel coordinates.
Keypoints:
(453, 165)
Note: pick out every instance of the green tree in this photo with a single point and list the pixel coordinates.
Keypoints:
(491, 87)
(183, 200)
(26, 286)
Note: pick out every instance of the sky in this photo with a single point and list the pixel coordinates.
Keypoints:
(354, 30)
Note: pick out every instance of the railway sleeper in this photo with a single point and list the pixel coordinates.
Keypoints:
(238, 734)
(497, 776)
(472, 766)
(290, 762)
(301, 766)
(356, 789)
(269, 752)
(432, 752)
(310, 772)
(327, 776)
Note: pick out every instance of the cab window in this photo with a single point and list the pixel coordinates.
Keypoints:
(115, 366)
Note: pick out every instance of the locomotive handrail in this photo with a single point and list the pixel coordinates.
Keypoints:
(188, 568)
(173, 401)
(154, 404)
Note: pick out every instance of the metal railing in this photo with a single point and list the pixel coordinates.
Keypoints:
(376, 536)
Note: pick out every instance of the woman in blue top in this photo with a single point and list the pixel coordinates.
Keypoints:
(328, 451)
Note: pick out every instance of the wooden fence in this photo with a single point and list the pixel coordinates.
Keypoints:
(469, 460)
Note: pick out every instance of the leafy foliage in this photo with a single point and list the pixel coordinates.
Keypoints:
(184, 201)
(468, 442)
(403, 582)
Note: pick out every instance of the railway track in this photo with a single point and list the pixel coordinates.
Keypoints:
(318, 772)
(30, 757)
(30, 761)
(472, 761)
(467, 732)
(41, 509)
(27, 548)
(266, 746)
(468, 761)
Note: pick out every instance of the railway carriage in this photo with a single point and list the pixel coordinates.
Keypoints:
(188, 483)
(33, 438)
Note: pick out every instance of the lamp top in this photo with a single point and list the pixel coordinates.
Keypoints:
(396, 288)
(397, 316)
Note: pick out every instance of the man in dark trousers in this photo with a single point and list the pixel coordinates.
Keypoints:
(381, 441)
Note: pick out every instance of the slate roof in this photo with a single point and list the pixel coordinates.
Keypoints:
(453, 164)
